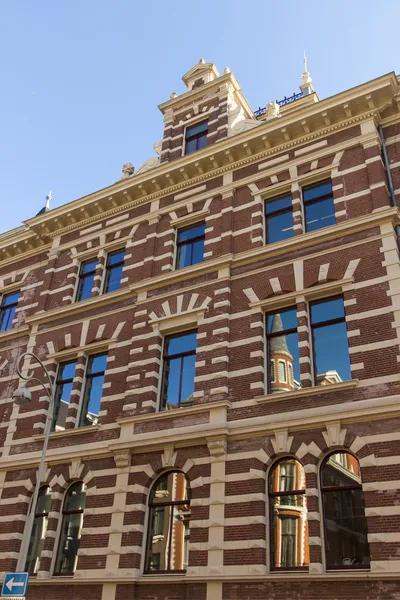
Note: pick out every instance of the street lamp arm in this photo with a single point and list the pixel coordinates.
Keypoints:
(28, 377)
(23, 554)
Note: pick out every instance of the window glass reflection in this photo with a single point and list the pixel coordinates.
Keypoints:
(279, 219)
(283, 351)
(330, 342)
(319, 207)
(86, 280)
(288, 516)
(62, 397)
(71, 526)
(39, 529)
(196, 137)
(168, 535)
(346, 541)
(190, 246)
(179, 370)
(93, 389)
(8, 307)
(114, 266)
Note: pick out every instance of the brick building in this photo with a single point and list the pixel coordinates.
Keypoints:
(223, 329)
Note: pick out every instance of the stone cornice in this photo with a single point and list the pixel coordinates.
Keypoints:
(267, 139)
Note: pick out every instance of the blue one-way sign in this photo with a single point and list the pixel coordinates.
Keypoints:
(15, 585)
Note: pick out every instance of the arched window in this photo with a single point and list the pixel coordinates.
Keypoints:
(345, 524)
(72, 518)
(168, 530)
(38, 530)
(288, 516)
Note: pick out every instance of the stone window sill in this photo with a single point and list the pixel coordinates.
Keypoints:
(179, 412)
(75, 431)
(311, 391)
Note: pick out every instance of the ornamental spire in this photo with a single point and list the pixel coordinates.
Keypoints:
(306, 85)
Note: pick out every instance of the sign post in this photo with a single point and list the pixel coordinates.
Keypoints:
(14, 586)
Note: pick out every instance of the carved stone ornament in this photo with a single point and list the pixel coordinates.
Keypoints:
(122, 459)
(127, 170)
(217, 447)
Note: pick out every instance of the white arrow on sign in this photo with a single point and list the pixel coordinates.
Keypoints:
(12, 584)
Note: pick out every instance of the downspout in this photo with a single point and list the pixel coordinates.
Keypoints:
(389, 177)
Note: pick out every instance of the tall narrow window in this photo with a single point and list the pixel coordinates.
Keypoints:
(196, 137)
(283, 351)
(7, 310)
(114, 266)
(345, 524)
(319, 207)
(279, 219)
(71, 526)
(330, 344)
(169, 516)
(38, 530)
(190, 246)
(62, 396)
(93, 389)
(179, 370)
(86, 280)
(288, 516)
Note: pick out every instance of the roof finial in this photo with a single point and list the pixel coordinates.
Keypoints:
(48, 198)
(306, 80)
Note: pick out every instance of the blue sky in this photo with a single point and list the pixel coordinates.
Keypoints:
(81, 81)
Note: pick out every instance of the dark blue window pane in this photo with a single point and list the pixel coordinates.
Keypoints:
(66, 371)
(191, 146)
(97, 364)
(282, 321)
(93, 389)
(116, 257)
(88, 267)
(7, 317)
(202, 142)
(188, 374)
(182, 343)
(331, 350)
(320, 214)
(316, 191)
(85, 287)
(198, 252)
(280, 227)
(195, 129)
(327, 310)
(191, 232)
(184, 256)
(113, 279)
(172, 381)
(10, 299)
(278, 204)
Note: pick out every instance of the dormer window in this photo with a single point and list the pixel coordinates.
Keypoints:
(196, 137)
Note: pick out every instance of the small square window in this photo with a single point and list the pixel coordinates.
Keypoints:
(196, 137)
(190, 244)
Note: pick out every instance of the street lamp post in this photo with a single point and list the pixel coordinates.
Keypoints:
(22, 397)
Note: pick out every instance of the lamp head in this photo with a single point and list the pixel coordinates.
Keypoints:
(22, 396)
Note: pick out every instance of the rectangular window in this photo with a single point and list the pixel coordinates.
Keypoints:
(196, 137)
(279, 219)
(190, 245)
(62, 397)
(179, 370)
(86, 279)
(330, 343)
(7, 310)
(319, 208)
(283, 351)
(114, 266)
(95, 371)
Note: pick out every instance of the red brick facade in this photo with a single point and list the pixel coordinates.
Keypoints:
(228, 438)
